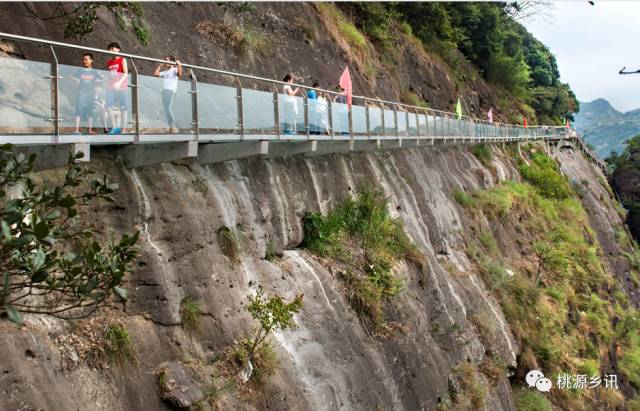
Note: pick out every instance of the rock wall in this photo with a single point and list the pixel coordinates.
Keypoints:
(331, 360)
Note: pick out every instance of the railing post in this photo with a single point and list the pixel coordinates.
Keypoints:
(135, 101)
(330, 113)
(195, 116)
(55, 97)
(305, 104)
(276, 109)
(366, 115)
(406, 122)
(384, 128)
(350, 119)
(395, 120)
(239, 105)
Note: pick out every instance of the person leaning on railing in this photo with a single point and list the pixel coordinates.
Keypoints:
(170, 74)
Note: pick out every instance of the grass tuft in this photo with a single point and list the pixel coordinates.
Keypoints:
(190, 315)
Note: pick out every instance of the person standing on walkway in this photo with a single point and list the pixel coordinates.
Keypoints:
(87, 78)
(170, 74)
(290, 105)
(117, 89)
(314, 114)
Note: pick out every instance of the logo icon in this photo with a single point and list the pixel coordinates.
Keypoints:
(535, 378)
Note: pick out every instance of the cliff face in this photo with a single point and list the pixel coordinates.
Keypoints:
(331, 360)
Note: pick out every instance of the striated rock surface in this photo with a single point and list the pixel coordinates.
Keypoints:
(331, 360)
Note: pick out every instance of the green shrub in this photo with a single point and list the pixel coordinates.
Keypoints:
(190, 314)
(543, 174)
(530, 400)
(229, 244)
(361, 233)
(463, 198)
(483, 154)
(119, 345)
(270, 253)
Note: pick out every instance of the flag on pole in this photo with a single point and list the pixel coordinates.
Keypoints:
(490, 115)
(345, 83)
(459, 110)
(524, 122)
(568, 125)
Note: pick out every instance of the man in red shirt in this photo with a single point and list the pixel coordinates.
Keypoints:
(117, 89)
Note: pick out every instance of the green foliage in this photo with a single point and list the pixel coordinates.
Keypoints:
(501, 48)
(347, 30)
(39, 230)
(472, 394)
(270, 254)
(119, 345)
(361, 233)
(229, 244)
(190, 314)
(530, 400)
(82, 20)
(561, 308)
(272, 314)
(543, 173)
(463, 198)
(483, 154)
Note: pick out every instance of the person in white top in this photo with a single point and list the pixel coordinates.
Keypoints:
(170, 73)
(290, 105)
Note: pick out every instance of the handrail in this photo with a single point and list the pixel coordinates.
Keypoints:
(235, 74)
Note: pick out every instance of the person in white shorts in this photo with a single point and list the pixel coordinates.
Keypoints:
(170, 73)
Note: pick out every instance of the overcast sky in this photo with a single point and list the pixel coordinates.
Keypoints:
(592, 43)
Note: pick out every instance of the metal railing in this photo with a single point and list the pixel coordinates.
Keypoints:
(373, 119)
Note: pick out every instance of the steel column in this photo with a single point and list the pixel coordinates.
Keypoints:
(239, 105)
(55, 96)
(135, 102)
(195, 116)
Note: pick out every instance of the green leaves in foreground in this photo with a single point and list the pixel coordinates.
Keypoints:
(51, 264)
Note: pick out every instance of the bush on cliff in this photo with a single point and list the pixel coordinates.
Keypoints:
(51, 263)
(361, 235)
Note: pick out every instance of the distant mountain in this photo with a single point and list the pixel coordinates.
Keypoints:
(606, 128)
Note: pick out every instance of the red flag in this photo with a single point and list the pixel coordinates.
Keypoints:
(568, 125)
(524, 122)
(345, 83)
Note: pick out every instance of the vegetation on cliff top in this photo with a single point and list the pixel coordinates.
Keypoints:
(503, 51)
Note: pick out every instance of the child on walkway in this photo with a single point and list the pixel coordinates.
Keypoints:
(170, 74)
(86, 77)
(117, 89)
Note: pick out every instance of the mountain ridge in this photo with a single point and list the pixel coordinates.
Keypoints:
(606, 128)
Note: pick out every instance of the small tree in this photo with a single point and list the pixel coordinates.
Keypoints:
(549, 258)
(51, 265)
(273, 313)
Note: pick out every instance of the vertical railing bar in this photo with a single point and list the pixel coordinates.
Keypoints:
(135, 101)
(276, 110)
(395, 120)
(384, 127)
(368, 120)
(305, 103)
(55, 97)
(195, 115)
(330, 112)
(239, 105)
